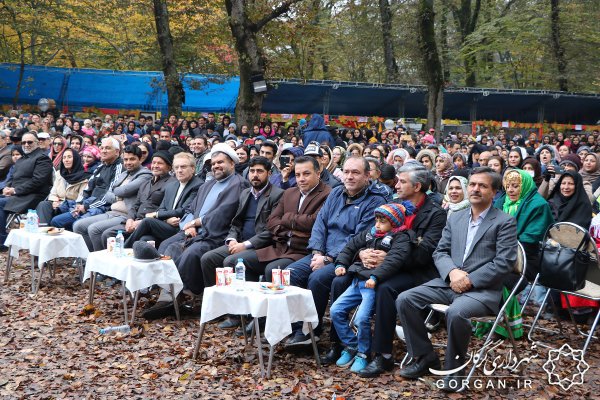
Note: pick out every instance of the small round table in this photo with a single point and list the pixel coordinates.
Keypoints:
(281, 310)
(135, 275)
(45, 247)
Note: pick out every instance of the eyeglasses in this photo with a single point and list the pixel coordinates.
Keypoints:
(144, 152)
(57, 143)
(28, 142)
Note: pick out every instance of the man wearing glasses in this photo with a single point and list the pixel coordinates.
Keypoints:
(30, 183)
(44, 141)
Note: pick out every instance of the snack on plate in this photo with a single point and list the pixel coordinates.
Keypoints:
(55, 231)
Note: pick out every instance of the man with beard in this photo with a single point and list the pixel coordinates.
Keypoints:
(248, 228)
(205, 225)
(30, 183)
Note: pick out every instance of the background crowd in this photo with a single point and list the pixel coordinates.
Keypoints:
(284, 194)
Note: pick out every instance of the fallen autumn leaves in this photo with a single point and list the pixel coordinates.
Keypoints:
(50, 348)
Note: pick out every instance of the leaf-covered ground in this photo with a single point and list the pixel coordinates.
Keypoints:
(50, 349)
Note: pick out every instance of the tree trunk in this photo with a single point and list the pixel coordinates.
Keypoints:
(444, 40)
(250, 56)
(391, 67)
(557, 47)
(21, 69)
(466, 18)
(175, 93)
(251, 62)
(432, 66)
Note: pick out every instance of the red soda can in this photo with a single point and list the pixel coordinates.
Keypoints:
(285, 277)
(220, 277)
(228, 275)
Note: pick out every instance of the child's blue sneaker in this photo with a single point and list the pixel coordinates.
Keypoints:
(347, 357)
(360, 362)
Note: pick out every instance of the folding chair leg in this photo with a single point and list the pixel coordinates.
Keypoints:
(591, 333)
(537, 316)
(533, 285)
(512, 340)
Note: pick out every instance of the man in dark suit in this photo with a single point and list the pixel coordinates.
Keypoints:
(164, 223)
(205, 225)
(29, 185)
(476, 253)
(248, 228)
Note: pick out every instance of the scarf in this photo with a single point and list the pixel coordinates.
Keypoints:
(77, 172)
(576, 208)
(56, 156)
(537, 169)
(525, 182)
(593, 175)
(448, 166)
(454, 207)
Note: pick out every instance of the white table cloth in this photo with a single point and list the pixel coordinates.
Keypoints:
(46, 247)
(136, 274)
(281, 309)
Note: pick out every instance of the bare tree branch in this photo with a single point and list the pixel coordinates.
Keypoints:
(277, 11)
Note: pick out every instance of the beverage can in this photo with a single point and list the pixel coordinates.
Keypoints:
(220, 277)
(228, 275)
(285, 277)
(110, 244)
(276, 276)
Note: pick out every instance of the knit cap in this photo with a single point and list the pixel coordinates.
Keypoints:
(395, 213)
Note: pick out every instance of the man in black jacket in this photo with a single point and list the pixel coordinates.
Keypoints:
(149, 197)
(205, 225)
(30, 184)
(429, 222)
(164, 222)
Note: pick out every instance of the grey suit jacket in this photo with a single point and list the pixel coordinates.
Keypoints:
(490, 259)
(266, 203)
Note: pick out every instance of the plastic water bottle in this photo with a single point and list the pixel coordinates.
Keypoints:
(33, 221)
(120, 329)
(119, 244)
(240, 274)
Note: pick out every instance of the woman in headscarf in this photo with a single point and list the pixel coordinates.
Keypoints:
(147, 154)
(516, 156)
(456, 197)
(68, 185)
(355, 149)
(531, 211)
(427, 158)
(443, 169)
(460, 160)
(532, 166)
(397, 158)
(90, 156)
(59, 145)
(76, 142)
(590, 171)
(16, 152)
(546, 155)
(569, 201)
(338, 158)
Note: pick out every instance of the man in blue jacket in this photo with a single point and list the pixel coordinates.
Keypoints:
(316, 131)
(348, 210)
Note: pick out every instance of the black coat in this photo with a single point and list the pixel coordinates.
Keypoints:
(149, 197)
(168, 208)
(32, 181)
(428, 226)
(399, 248)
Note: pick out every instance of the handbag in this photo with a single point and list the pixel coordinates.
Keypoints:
(564, 268)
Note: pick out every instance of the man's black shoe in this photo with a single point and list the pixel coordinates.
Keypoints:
(231, 322)
(452, 383)
(161, 309)
(421, 366)
(335, 351)
(378, 366)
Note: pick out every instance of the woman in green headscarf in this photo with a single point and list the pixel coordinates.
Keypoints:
(532, 212)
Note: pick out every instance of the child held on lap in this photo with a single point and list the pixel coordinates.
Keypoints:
(390, 234)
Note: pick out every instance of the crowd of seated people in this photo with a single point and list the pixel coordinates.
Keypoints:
(385, 221)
